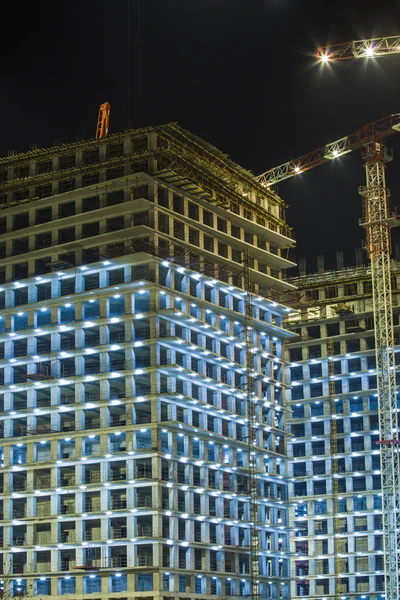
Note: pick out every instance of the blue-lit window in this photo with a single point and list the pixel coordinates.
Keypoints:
(67, 313)
(315, 390)
(358, 463)
(317, 409)
(43, 587)
(320, 507)
(297, 411)
(301, 510)
(92, 584)
(319, 488)
(91, 309)
(43, 317)
(20, 321)
(300, 488)
(67, 586)
(360, 503)
(144, 582)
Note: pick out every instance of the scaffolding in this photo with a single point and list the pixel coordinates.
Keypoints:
(334, 467)
(175, 155)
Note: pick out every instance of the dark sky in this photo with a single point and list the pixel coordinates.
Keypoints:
(239, 73)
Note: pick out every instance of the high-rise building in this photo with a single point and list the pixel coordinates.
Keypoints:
(334, 451)
(123, 380)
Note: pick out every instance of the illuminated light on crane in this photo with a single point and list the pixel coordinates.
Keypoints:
(360, 49)
(355, 141)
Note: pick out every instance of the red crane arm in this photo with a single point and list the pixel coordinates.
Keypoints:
(378, 129)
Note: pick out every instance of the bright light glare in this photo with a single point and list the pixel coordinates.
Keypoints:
(324, 58)
(297, 169)
(369, 51)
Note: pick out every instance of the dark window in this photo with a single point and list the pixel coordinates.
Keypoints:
(193, 211)
(43, 215)
(163, 197)
(235, 231)
(67, 185)
(114, 198)
(114, 173)
(90, 229)
(90, 156)
(2, 250)
(209, 243)
(66, 210)
(194, 237)
(115, 276)
(22, 172)
(43, 240)
(43, 191)
(20, 271)
(115, 224)
(90, 179)
(3, 226)
(179, 230)
(45, 166)
(90, 203)
(66, 235)
(222, 249)
(21, 246)
(141, 218)
(208, 218)
(90, 255)
(141, 191)
(21, 221)
(41, 266)
(66, 161)
(178, 204)
(222, 225)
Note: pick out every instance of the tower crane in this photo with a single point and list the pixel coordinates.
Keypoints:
(360, 49)
(377, 221)
(103, 120)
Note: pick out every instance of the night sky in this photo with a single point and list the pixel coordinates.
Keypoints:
(239, 73)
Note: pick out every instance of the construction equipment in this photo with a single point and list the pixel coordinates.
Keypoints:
(103, 121)
(335, 466)
(252, 429)
(378, 129)
(360, 49)
(377, 221)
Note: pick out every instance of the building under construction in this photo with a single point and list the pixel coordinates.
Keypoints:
(334, 452)
(142, 377)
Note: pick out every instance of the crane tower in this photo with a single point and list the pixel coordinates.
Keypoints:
(377, 221)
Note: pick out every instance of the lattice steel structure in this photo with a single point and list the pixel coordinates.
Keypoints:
(377, 222)
(360, 49)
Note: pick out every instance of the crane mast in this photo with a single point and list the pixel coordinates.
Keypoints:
(371, 48)
(377, 222)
